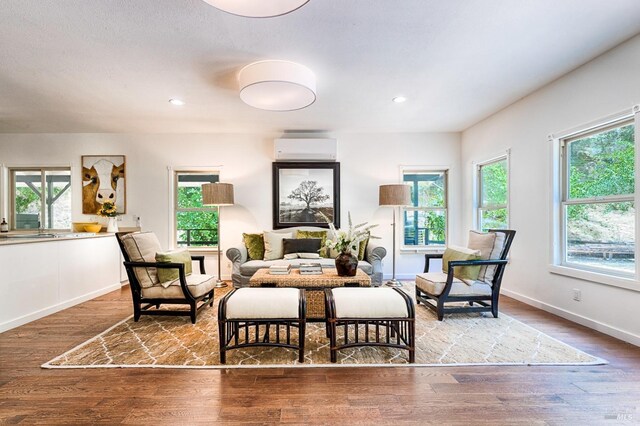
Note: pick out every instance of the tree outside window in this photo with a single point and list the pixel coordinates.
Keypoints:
(425, 223)
(493, 195)
(196, 225)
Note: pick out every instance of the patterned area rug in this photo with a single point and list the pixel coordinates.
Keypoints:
(462, 339)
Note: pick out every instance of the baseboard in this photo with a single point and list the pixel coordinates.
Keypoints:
(582, 320)
(56, 308)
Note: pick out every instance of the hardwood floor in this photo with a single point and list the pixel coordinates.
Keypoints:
(579, 395)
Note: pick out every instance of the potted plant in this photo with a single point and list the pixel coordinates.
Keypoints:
(346, 243)
(109, 210)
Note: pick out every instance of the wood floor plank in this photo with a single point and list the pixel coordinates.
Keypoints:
(514, 395)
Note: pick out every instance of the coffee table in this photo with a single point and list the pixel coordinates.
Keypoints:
(313, 284)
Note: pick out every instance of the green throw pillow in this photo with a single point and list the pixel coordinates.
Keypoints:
(363, 248)
(166, 276)
(461, 253)
(255, 245)
(315, 234)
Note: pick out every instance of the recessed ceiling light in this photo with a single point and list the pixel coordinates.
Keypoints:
(258, 8)
(399, 99)
(176, 102)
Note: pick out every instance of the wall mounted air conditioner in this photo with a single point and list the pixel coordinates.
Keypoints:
(305, 149)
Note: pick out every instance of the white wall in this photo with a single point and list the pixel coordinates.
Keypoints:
(606, 85)
(367, 160)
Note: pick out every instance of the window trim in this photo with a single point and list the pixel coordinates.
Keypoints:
(559, 189)
(173, 203)
(435, 247)
(477, 185)
(11, 202)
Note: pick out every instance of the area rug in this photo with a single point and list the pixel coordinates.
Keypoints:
(461, 339)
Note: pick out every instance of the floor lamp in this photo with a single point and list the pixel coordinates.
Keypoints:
(394, 196)
(218, 194)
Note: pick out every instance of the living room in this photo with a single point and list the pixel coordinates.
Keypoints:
(514, 101)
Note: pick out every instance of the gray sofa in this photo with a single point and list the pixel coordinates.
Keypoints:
(243, 268)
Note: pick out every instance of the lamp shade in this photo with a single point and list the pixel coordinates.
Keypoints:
(258, 8)
(277, 85)
(217, 194)
(395, 195)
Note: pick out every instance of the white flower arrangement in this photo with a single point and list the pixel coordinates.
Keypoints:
(348, 241)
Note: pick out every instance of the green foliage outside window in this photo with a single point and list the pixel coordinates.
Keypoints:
(197, 225)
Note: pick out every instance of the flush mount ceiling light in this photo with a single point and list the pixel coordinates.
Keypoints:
(257, 8)
(277, 85)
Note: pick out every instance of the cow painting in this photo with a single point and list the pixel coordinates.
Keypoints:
(103, 180)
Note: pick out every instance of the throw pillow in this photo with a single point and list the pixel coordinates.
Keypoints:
(273, 246)
(461, 253)
(255, 245)
(301, 245)
(490, 245)
(167, 276)
(363, 247)
(315, 234)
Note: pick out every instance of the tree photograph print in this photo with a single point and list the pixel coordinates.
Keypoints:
(305, 194)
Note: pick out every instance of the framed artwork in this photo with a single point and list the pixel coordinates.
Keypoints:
(304, 192)
(103, 179)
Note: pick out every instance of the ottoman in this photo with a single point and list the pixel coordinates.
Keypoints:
(370, 317)
(261, 317)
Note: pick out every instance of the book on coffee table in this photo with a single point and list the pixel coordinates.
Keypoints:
(310, 268)
(279, 269)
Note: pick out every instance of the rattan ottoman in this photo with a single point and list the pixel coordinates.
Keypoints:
(370, 317)
(261, 317)
(313, 284)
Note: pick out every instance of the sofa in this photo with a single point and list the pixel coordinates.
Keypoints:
(244, 268)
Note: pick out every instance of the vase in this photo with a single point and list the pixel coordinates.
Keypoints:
(112, 225)
(346, 265)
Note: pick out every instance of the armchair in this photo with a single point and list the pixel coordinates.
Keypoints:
(139, 250)
(434, 290)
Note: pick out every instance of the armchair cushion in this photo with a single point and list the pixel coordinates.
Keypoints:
(198, 285)
(255, 245)
(434, 282)
(142, 247)
(461, 253)
(173, 256)
(490, 246)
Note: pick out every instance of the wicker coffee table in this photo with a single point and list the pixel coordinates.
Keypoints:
(313, 284)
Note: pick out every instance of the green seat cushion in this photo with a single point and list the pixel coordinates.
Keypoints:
(166, 276)
(255, 245)
(461, 253)
(316, 234)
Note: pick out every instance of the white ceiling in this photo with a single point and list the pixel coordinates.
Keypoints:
(112, 65)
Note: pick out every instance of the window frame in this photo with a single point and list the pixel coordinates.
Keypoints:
(174, 209)
(478, 207)
(426, 170)
(560, 190)
(43, 201)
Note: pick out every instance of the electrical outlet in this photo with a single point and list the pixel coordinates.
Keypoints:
(577, 294)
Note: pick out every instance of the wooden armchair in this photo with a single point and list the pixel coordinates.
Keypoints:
(139, 250)
(434, 290)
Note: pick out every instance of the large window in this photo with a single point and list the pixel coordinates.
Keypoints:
(493, 195)
(40, 198)
(425, 222)
(597, 208)
(195, 225)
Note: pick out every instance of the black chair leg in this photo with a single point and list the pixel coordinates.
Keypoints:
(211, 299)
(194, 306)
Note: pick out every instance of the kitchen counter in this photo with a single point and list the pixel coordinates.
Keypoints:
(31, 237)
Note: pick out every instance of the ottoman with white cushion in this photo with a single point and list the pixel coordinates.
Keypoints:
(262, 317)
(370, 317)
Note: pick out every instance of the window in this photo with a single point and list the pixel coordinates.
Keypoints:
(597, 221)
(493, 195)
(425, 223)
(195, 225)
(40, 198)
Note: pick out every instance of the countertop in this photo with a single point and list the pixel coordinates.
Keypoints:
(30, 237)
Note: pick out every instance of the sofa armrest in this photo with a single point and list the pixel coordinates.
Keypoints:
(237, 255)
(374, 255)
